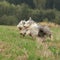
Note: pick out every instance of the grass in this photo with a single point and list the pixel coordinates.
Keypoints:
(13, 46)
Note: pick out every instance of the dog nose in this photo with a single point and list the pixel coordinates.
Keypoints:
(20, 28)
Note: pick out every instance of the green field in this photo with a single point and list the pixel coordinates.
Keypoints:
(13, 46)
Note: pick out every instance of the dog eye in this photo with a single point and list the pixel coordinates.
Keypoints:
(23, 22)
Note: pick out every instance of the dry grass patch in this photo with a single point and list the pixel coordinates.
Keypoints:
(50, 24)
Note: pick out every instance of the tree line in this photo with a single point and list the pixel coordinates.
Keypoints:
(12, 11)
(45, 4)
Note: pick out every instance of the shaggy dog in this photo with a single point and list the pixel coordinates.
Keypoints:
(33, 29)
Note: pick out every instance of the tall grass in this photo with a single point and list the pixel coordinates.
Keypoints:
(14, 46)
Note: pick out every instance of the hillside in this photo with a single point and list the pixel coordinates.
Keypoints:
(13, 46)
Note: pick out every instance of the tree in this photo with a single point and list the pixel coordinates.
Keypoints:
(8, 20)
(40, 3)
(29, 2)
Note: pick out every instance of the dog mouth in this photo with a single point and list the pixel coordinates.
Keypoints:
(22, 34)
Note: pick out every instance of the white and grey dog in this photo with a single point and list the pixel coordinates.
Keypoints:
(33, 29)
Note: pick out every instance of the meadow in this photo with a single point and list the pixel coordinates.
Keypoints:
(14, 46)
